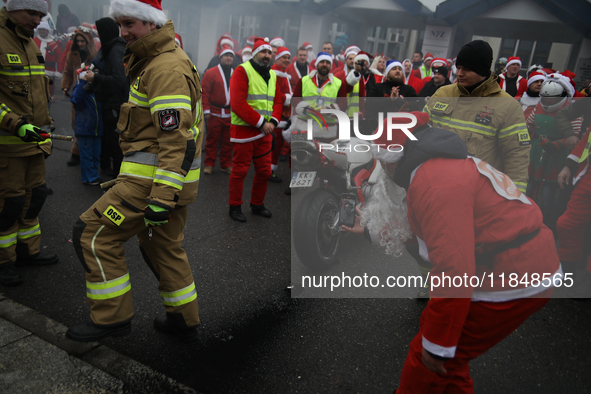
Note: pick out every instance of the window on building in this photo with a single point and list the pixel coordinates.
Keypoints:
(243, 26)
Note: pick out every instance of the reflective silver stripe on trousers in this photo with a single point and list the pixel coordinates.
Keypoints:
(180, 298)
(109, 290)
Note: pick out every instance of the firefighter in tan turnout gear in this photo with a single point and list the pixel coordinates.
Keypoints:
(160, 128)
(24, 95)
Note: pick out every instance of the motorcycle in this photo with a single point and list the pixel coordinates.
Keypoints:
(330, 171)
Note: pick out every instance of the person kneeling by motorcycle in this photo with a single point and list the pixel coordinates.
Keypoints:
(453, 204)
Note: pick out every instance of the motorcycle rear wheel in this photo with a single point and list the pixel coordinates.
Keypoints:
(316, 230)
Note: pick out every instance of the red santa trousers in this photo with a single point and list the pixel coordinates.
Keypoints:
(259, 152)
(571, 225)
(487, 324)
(218, 131)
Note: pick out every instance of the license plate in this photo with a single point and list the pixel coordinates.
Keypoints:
(302, 179)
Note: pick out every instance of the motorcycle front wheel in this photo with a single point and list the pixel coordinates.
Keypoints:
(316, 231)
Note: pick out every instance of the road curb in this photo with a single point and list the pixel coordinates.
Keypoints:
(135, 376)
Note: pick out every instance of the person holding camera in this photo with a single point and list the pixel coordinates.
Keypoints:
(111, 87)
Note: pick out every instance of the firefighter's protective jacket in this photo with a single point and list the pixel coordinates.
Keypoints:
(161, 124)
(24, 89)
(490, 122)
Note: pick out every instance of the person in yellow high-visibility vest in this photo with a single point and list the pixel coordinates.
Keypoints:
(257, 104)
(320, 89)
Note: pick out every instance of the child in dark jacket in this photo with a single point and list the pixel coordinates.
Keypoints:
(88, 129)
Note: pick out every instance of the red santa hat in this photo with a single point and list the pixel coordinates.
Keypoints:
(144, 10)
(282, 51)
(246, 49)
(307, 45)
(391, 150)
(277, 42)
(260, 44)
(513, 60)
(226, 49)
(362, 56)
(428, 56)
(178, 40)
(352, 49)
(535, 76)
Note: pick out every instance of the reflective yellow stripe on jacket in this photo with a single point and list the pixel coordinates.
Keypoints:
(21, 71)
(474, 127)
(586, 151)
(260, 94)
(145, 165)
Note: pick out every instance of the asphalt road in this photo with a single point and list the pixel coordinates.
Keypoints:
(255, 338)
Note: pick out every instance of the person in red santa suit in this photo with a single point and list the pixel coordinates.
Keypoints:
(216, 109)
(349, 65)
(257, 104)
(510, 81)
(282, 61)
(51, 50)
(452, 202)
(549, 149)
(425, 69)
(531, 97)
(298, 69)
(572, 236)
(223, 41)
(409, 79)
(276, 42)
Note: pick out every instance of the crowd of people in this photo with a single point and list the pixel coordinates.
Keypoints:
(141, 113)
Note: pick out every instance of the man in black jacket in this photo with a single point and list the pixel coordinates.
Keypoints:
(111, 87)
(439, 71)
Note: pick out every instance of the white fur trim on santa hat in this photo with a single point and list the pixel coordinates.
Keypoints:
(391, 65)
(535, 77)
(260, 47)
(44, 25)
(277, 42)
(246, 49)
(228, 42)
(33, 5)
(282, 53)
(390, 154)
(352, 49)
(362, 56)
(323, 56)
(227, 50)
(137, 9)
(513, 61)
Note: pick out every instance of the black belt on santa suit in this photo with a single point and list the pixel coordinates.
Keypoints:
(487, 258)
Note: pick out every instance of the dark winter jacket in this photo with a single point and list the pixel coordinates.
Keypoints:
(111, 85)
(89, 114)
(429, 89)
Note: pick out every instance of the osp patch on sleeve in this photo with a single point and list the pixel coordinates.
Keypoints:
(524, 138)
(169, 119)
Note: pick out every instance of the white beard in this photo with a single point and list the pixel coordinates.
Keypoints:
(385, 216)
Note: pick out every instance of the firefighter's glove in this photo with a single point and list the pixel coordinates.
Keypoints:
(30, 133)
(156, 216)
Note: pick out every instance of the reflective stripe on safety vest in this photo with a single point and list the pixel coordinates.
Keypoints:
(30, 232)
(260, 95)
(145, 165)
(180, 297)
(108, 289)
(167, 102)
(3, 111)
(7, 240)
(329, 93)
(586, 151)
(22, 71)
(353, 100)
